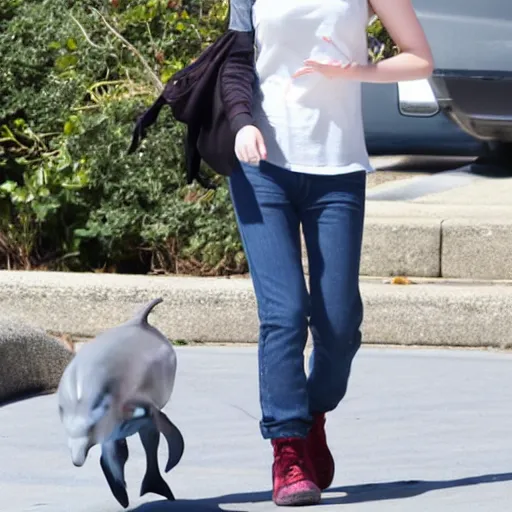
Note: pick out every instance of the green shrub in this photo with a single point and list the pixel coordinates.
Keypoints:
(70, 197)
(383, 46)
(74, 77)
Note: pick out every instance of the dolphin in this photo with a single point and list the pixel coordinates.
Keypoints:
(116, 387)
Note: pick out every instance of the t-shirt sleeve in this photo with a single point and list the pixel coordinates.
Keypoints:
(240, 15)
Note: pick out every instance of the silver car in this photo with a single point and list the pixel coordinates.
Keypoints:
(465, 109)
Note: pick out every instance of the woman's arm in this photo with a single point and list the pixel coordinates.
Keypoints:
(415, 59)
(237, 85)
(238, 71)
(414, 62)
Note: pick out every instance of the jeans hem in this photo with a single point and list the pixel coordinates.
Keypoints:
(282, 435)
(279, 432)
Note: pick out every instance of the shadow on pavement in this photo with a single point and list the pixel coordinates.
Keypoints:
(23, 396)
(351, 494)
(407, 489)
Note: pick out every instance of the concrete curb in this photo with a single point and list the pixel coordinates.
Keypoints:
(224, 310)
(454, 224)
(435, 241)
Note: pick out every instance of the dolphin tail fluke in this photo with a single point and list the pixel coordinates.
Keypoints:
(153, 481)
(113, 459)
(142, 316)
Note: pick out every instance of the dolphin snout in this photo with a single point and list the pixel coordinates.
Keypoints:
(79, 448)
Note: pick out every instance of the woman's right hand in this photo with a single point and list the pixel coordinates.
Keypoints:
(249, 145)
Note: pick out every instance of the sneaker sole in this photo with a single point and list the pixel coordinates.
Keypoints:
(305, 498)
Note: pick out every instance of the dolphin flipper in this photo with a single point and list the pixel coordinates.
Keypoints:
(114, 455)
(153, 481)
(173, 436)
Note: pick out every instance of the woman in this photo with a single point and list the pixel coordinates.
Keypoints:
(300, 142)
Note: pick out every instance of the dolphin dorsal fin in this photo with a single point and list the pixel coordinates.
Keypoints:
(142, 316)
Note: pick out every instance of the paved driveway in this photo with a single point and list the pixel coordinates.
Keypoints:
(419, 431)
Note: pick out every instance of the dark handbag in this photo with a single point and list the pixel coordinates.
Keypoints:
(188, 93)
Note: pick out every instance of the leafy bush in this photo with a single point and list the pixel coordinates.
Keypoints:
(70, 196)
(74, 76)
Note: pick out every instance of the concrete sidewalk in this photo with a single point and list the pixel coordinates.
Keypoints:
(221, 310)
(418, 431)
(451, 224)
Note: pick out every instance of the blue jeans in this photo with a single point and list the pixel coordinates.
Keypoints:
(271, 204)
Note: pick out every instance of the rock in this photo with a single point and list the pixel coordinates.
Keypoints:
(31, 361)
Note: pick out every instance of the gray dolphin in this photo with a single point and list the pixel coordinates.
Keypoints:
(115, 387)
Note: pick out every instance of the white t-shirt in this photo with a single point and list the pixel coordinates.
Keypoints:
(310, 124)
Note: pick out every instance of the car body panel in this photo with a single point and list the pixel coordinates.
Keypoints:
(471, 41)
(467, 35)
(389, 132)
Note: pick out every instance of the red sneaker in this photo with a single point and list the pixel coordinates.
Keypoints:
(292, 475)
(319, 453)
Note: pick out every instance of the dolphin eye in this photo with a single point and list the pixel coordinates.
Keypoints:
(99, 401)
(102, 402)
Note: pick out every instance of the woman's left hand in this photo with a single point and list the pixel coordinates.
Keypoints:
(331, 69)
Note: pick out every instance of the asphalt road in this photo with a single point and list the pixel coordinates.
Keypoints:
(419, 430)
